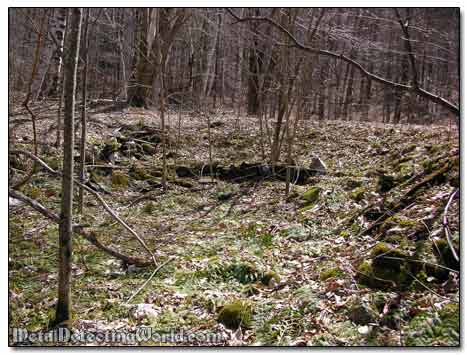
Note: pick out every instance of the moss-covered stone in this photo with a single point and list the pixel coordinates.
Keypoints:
(236, 314)
(384, 256)
(119, 179)
(389, 268)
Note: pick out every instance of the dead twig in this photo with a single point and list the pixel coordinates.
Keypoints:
(150, 278)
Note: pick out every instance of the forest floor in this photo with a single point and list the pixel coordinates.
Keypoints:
(250, 266)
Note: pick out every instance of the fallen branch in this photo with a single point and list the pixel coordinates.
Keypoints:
(90, 236)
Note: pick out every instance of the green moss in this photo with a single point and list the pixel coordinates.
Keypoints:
(388, 268)
(434, 329)
(345, 234)
(235, 315)
(119, 179)
(148, 148)
(358, 194)
(311, 196)
(383, 255)
(330, 273)
(149, 207)
(355, 228)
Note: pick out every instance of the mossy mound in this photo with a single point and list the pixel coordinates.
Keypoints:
(236, 314)
(311, 196)
(270, 279)
(389, 267)
(330, 273)
(119, 179)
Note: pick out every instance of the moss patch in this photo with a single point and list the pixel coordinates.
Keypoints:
(235, 315)
(119, 179)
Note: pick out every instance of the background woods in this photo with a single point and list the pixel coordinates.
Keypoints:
(206, 54)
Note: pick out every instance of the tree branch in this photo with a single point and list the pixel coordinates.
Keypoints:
(422, 92)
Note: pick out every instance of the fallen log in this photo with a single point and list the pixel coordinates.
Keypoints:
(249, 171)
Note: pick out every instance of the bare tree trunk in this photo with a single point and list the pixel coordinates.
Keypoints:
(63, 309)
(82, 147)
(59, 87)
